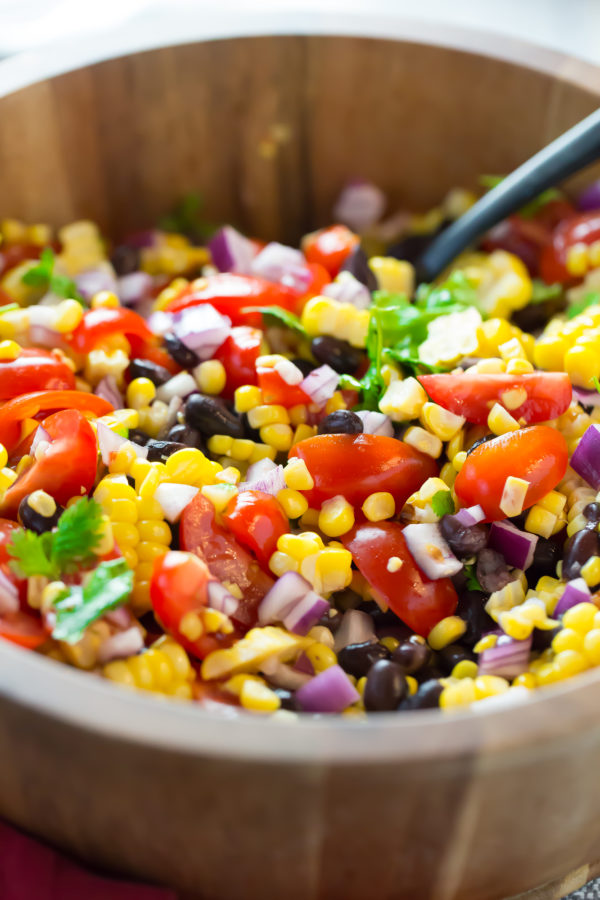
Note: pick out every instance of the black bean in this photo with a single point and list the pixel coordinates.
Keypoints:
(340, 355)
(342, 421)
(491, 570)
(542, 639)
(253, 434)
(331, 619)
(357, 264)
(174, 528)
(130, 480)
(427, 696)
(385, 688)
(455, 653)
(185, 434)
(36, 521)
(471, 608)
(125, 259)
(357, 659)
(158, 451)
(480, 441)
(412, 246)
(592, 514)
(430, 673)
(535, 315)
(545, 557)
(463, 540)
(348, 599)
(304, 365)
(577, 550)
(412, 655)
(288, 699)
(144, 368)
(177, 350)
(210, 416)
(138, 436)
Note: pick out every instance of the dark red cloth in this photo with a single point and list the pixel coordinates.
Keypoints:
(30, 870)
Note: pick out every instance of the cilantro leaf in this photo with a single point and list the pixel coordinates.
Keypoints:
(108, 585)
(186, 218)
(282, 317)
(542, 291)
(43, 275)
(596, 383)
(442, 503)
(472, 583)
(31, 554)
(589, 300)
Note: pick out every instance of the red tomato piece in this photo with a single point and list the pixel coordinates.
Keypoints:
(258, 521)
(159, 356)
(179, 586)
(356, 465)
(238, 354)
(329, 247)
(415, 599)
(67, 468)
(472, 396)
(28, 406)
(99, 324)
(537, 454)
(225, 557)
(581, 229)
(320, 278)
(24, 629)
(235, 296)
(276, 390)
(17, 253)
(34, 370)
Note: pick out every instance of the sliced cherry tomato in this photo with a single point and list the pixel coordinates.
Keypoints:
(179, 586)
(276, 390)
(6, 532)
(99, 324)
(356, 465)
(34, 370)
(472, 396)
(160, 357)
(581, 229)
(329, 247)
(415, 599)
(17, 253)
(258, 521)
(227, 560)
(238, 354)
(524, 238)
(320, 278)
(235, 296)
(66, 469)
(24, 629)
(537, 454)
(15, 411)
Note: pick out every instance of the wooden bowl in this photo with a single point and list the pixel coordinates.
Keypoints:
(419, 806)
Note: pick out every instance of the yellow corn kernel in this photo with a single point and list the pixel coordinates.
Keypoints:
(220, 444)
(446, 631)
(422, 440)
(150, 482)
(7, 476)
(148, 551)
(125, 534)
(69, 314)
(300, 545)
(241, 449)
(578, 523)
(577, 259)
(9, 350)
(321, 656)
(491, 366)
(549, 352)
(513, 495)
(263, 451)
(260, 416)
(484, 643)
(296, 475)
(230, 475)
(580, 617)
(519, 367)
(280, 563)
(466, 668)
(569, 662)
(247, 654)
(335, 402)
(332, 569)
(554, 502)
(219, 494)
(390, 643)
(441, 422)
(459, 460)
(105, 300)
(567, 639)
(591, 646)
(120, 510)
(293, 502)
(211, 376)
(448, 473)
(298, 415)
(154, 530)
(111, 489)
(336, 516)
(247, 397)
(303, 432)
(257, 696)
(461, 693)
(527, 680)
(140, 392)
(120, 672)
(394, 275)
(280, 437)
(3, 456)
(582, 364)
(490, 686)
(403, 400)
(379, 506)
(456, 444)
(310, 519)
(590, 571)
(500, 420)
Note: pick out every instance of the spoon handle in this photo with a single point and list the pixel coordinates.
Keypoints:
(572, 151)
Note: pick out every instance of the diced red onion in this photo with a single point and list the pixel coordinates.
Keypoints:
(376, 423)
(202, 329)
(258, 469)
(470, 515)
(292, 601)
(175, 405)
(330, 691)
(289, 372)
(320, 384)
(282, 675)
(107, 389)
(40, 435)
(9, 595)
(121, 645)
(160, 322)
(586, 398)
(507, 658)
(147, 238)
(356, 627)
(348, 289)
(430, 551)
(516, 546)
(109, 442)
(173, 499)
(304, 665)
(220, 599)
(134, 288)
(181, 385)
(231, 251)
(120, 617)
(100, 278)
(282, 264)
(589, 199)
(271, 482)
(42, 336)
(586, 457)
(360, 205)
(575, 592)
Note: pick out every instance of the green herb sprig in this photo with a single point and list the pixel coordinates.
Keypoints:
(43, 275)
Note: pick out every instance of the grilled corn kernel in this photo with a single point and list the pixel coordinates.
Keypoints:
(296, 475)
(447, 631)
(441, 422)
(379, 506)
(403, 400)
(336, 516)
(210, 376)
(394, 275)
(247, 397)
(540, 521)
(140, 392)
(500, 420)
(424, 441)
(280, 437)
(293, 502)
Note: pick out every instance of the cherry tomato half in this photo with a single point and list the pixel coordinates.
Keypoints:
(419, 602)
(34, 370)
(581, 229)
(235, 296)
(238, 354)
(21, 627)
(548, 394)
(258, 521)
(329, 247)
(28, 406)
(275, 389)
(225, 557)
(356, 465)
(537, 454)
(99, 324)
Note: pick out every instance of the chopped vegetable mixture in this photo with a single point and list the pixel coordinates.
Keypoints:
(294, 481)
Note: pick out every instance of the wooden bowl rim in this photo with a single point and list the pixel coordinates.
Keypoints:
(495, 733)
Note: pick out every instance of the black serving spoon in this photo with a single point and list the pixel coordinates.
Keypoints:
(572, 151)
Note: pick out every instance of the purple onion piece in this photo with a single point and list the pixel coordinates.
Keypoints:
(347, 289)
(231, 251)
(40, 435)
(202, 329)
(320, 384)
(173, 499)
(589, 199)
(507, 658)
(360, 205)
(289, 589)
(517, 547)
(430, 551)
(284, 265)
(121, 645)
(330, 691)
(9, 595)
(258, 469)
(586, 457)
(160, 322)
(271, 482)
(107, 389)
(109, 443)
(181, 385)
(471, 515)
(306, 613)
(220, 599)
(376, 423)
(586, 398)
(575, 592)
(134, 288)
(101, 278)
(139, 239)
(356, 627)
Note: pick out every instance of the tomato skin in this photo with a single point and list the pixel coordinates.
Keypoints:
(356, 465)
(225, 557)
(538, 454)
(160, 357)
(13, 413)
(234, 295)
(329, 247)
(24, 629)
(99, 324)
(67, 468)
(320, 278)
(583, 228)
(257, 521)
(238, 354)
(415, 599)
(15, 254)
(34, 370)
(472, 396)
(276, 390)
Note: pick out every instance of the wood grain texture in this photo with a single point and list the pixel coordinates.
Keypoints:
(269, 129)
